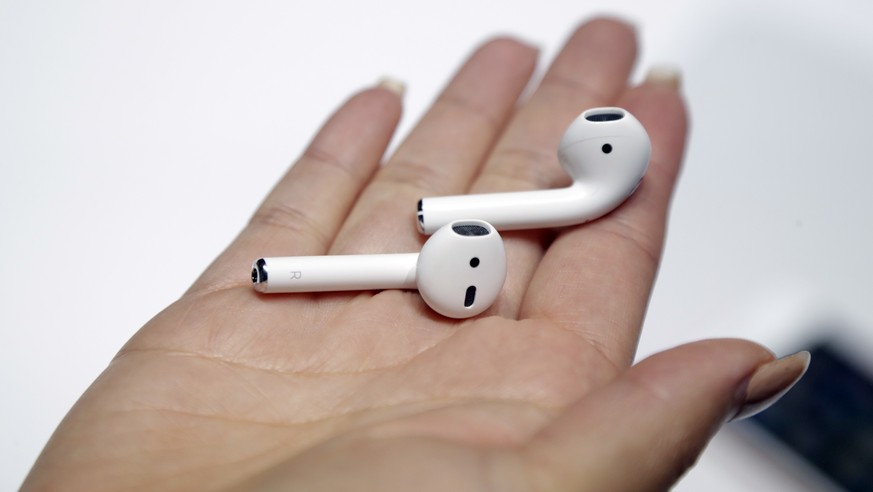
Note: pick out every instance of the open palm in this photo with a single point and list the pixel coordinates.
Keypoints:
(372, 390)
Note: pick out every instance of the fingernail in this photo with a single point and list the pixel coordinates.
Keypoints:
(667, 76)
(770, 382)
(393, 85)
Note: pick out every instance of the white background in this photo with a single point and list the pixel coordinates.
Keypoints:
(137, 137)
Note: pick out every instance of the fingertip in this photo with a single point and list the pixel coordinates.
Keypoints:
(657, 103)
(508, 51)
(614, 30)
(391, 84)
(660, 106)
(725, 360)
(385, 97)
(664, 76)
(371, 114)
(769, 383)
(608, 48)
(612, 23)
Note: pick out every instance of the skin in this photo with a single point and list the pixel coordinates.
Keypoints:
(230, 389)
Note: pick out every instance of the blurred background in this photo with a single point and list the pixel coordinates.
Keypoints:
(137, 137)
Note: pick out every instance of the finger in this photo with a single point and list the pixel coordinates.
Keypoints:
(302, 214)
(643, 430)
(595, 279)
(591, 70)
(443, 152)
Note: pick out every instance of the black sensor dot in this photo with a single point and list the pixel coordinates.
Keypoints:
(606, 148)
(474, 262)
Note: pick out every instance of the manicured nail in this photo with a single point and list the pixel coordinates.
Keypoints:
(393, 85)
(667, 76)
(770, 382)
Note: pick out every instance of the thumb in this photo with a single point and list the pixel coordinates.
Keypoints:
(645, 428)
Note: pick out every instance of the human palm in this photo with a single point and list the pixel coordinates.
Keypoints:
(373, 390)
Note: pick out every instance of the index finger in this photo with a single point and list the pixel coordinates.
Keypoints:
(303, 212)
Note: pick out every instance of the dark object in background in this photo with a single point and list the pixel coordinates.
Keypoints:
(827, 418)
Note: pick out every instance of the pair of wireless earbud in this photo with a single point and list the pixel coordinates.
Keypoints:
(461, 268)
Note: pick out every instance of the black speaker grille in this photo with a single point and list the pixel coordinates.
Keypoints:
(470, 230)
(608, 116)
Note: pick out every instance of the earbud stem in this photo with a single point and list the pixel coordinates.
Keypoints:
(335, 273)
(537, 209)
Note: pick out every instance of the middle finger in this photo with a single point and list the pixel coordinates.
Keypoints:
(591, 70)
(443, 152)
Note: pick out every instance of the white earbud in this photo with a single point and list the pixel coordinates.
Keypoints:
(459, 272)
(605, 151)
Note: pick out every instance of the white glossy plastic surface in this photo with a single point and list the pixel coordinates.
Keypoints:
(338, 272)
(450, 264)
(458, 275)
(606, 159)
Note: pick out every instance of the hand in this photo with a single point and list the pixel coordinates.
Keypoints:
(230, 388)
